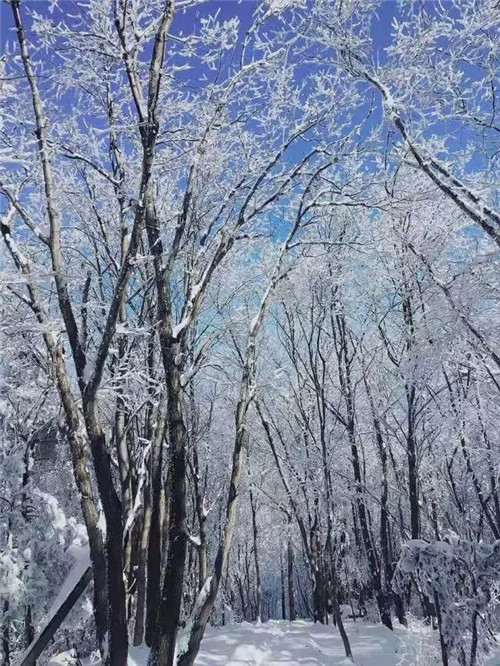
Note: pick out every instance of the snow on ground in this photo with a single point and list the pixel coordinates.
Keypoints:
(302, 643)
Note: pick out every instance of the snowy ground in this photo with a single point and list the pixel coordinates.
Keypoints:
(302, 643)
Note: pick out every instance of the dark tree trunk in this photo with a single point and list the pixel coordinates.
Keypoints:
(384, 595)
(163, 647)
(117, 609)
(411, 444)
(140, 612)
(292, 613)
(338, 618)
(29, 629)
(154, 547)
(344, 359)
(258, 586)
(6, 633)
(474, 641)
(412, 467)
(442, 641)
(283, 594)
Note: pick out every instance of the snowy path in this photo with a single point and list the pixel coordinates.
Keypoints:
(301, 643)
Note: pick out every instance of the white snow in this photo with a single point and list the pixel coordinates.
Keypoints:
(88, 371)
(177, 330)
(57, 515)
(81, 562)
(279, 643)
(302, 643)
(64, 659)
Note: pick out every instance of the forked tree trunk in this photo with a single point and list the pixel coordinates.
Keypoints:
(109, 589)
(206, 598)
(208, 594)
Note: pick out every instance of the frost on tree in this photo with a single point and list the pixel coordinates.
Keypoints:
(461, 579)
(248, 333)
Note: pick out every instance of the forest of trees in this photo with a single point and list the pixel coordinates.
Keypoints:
(249, 320)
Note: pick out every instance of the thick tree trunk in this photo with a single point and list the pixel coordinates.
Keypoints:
(400, 611)
(29, 629)
(117, 600)
(208, 594)
(340, 331)
(108, 566)
(71, 411)
(163, 648)
(96, 544)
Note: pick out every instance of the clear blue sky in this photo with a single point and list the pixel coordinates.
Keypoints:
(226, 8)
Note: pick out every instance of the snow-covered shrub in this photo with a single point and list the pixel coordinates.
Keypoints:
(37, 535)
(419, 644)
(372, 613)
(458, 577)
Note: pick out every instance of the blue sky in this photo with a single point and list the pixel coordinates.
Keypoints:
(381, 31)
(226, 8)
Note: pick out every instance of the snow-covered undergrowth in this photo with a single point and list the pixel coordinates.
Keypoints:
(301, 643)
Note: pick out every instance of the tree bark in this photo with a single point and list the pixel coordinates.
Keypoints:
(140, 612)
(163, 647)
(6, 633)
(116, 594)
(154, 544)
(292, 612)
(338, 618)
(258, 586)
